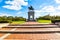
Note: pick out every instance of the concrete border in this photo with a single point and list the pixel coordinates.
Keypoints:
(4, 24)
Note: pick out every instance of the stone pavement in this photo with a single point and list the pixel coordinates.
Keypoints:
(37, 32)
(3, 24)
(32, 23)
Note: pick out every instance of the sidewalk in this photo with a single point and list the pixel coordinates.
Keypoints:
(32, 23)
(3, 24)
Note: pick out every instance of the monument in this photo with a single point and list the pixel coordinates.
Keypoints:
(31, 14)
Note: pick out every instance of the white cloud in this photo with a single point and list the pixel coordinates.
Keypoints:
(19, 13)
(48, 9)
(55, 14)
(58, 7)
(57, 1)
(37, 15)
(15, 4)
(5, 14)
(53, 11)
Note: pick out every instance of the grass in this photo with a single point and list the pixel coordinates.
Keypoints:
(18, 22)
(40, 21)
(44, 21)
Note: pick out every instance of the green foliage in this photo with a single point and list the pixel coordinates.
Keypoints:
(19, 19)
(9, 19)
(5, 21)
(48, 17)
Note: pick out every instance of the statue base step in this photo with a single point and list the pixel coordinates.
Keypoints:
(31, 20)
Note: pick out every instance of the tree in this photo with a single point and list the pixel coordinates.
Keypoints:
(10, 18)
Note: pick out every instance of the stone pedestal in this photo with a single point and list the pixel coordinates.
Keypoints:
(31, 16)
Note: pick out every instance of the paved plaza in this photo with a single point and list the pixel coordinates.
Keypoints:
(30, 32)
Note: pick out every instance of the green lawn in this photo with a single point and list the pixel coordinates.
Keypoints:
(22, 22)
(18, 22)
(44, 21)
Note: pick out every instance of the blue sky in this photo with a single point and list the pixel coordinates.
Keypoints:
(20, 7)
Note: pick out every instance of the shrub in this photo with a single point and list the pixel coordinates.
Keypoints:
(5, 21)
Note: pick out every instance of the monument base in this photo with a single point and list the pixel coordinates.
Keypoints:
(31, 20)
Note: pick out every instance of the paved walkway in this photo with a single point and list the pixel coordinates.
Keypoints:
(3, 24)
(31, 36)
(32, 23)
